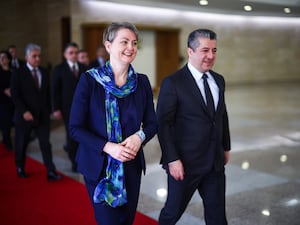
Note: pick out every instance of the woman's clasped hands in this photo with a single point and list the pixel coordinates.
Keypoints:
(124, 151)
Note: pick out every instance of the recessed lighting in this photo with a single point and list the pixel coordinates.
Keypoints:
(287, 10)
(248, 8)
(203, 2)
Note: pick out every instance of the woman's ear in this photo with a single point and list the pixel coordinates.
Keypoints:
(107, 45)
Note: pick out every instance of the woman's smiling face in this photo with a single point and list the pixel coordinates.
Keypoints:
(123, 48)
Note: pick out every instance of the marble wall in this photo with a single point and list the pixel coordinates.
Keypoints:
(34, 21)
(250, 49)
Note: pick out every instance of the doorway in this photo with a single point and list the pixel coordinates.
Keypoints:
(165, 44)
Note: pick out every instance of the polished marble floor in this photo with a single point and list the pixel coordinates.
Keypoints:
(263, 175)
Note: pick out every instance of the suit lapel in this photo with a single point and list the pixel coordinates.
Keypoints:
(196, 91)
(221, 90)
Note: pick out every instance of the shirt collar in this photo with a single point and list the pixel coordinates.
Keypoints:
(30, 67)
(70, 63)
(196, 73)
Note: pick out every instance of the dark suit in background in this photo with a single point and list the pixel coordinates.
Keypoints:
(64, 83)
(34, 100)
(6, 108)
(15, 61)
(192, 139)
(101, 57)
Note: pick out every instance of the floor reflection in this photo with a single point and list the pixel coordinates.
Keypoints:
(263, 181)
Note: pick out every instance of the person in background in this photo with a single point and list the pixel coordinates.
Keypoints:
(193, 132)
(31, 96)
(15, 61)
(64, 81)
(112, 118)
(101, 57)
(6, 104)
(83, 57)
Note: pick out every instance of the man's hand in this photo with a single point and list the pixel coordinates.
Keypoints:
(226, 157)
(27, 116)
(57, 114)
(176, 170)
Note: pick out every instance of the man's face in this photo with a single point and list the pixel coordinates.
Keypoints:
(34, 58)
(13, 52)
(83, 58)
(203, 58)
(71, 54)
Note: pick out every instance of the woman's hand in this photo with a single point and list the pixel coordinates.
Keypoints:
(119, 152)
(133, 142)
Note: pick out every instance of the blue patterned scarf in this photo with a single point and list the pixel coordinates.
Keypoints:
(111, 189)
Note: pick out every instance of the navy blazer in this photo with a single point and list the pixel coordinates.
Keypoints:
(87, 123)
(186, 130)
(27, 97)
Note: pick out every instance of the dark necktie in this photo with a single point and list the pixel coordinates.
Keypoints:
(15, 63)
(75, 71)
(35, 78)
(209, 98)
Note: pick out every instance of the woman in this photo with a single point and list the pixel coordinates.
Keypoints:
(6, 104)
(112, 117)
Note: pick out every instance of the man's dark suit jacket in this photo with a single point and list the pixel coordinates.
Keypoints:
(63, 87)
(94, 63)
(27, 97)
(186, 131)
(20, 62)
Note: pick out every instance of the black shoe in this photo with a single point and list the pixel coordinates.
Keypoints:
(74, 168)
(21, 173)
(9, 147)
(53, 176)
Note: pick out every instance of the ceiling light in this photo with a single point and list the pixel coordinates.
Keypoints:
(248, 8)
(287, 10)
(203, 2)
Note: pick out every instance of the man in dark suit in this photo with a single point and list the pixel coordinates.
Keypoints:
(31, 96)
(194, 133)
(15, 61)
(101, 57)
(64, 81)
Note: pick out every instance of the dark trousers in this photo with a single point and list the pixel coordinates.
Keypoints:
(6, 114)
(123, 215)
(70, 146)
(211, 187)
(22, 137)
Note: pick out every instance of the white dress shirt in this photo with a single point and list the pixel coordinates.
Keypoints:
(211, 82)
(38, 73)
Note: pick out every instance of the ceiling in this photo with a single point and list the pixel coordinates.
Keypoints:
(260, 7)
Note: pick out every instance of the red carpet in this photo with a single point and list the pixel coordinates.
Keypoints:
(35, 201)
